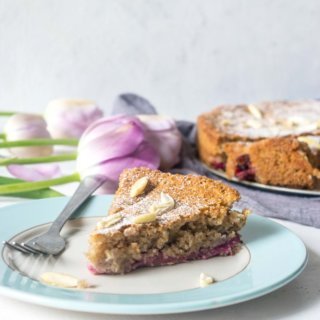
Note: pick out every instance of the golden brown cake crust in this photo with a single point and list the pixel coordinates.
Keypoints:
(181, 187)
(263, 142)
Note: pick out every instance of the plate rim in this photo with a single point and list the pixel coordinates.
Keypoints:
(149, 308)
(134, 309)
(303, 192)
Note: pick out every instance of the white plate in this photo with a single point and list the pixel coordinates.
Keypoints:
(143, 281)
(272, 256)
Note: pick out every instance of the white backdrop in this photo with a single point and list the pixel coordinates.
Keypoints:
(184, 55)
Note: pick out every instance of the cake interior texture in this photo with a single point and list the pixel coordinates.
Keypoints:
(198, 223)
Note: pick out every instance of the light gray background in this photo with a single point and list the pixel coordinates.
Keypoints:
(185, 56)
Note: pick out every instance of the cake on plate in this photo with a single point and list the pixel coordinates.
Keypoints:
(273, 143)
(159, 219)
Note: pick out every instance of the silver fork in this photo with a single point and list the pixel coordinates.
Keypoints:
(51, 242)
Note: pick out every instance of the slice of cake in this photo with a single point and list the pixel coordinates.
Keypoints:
(162, 219)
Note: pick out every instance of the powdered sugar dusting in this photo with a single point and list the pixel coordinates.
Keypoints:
(188, 197)
(281, 118)
(143, 206)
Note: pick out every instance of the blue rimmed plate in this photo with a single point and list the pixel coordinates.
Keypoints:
(272, 257)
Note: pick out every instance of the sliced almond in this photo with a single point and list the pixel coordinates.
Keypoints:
(252, 123)
(225, 122)
(254, 111)
(166, 200)
(62, 280)
(139, 186)
(109, 221)
(166, 203)
(144, 218)
(205, 280)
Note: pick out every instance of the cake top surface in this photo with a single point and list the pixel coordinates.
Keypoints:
(180, 197)
(268, 119)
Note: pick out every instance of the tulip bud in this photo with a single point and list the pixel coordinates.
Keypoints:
(113, 144)
(162, 132)
(69, 118)
(24, 127)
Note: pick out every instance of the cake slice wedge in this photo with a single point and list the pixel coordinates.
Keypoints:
(160, 219)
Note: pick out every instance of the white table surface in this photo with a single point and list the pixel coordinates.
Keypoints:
(300, 299)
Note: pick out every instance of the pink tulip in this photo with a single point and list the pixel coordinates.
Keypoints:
(110, 145)
(69, 118)
(113, 144)
(26, 127)
(36, 172)
(162, 132)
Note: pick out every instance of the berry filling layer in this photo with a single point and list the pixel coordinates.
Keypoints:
(244, 170)
(218, 163)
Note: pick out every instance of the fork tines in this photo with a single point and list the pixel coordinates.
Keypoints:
(22, 247)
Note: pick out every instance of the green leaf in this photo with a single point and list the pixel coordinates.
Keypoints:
(37, 194)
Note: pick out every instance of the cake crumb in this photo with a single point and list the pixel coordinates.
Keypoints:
(205, 280)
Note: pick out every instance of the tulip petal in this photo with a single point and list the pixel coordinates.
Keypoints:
(145, 156)
(109, 187)
(27, 122)
(75, 123)
(157, 122)
(162, 132)
(34, 172)
(105, 126)
(68, 118)
(121, 141)
(168, 146)
(113, 144)
(24, 127)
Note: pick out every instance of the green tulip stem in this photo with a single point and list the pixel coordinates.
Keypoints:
(7, 113)
(37, 194)
(39, 142)
(48, 159)
(37, 185)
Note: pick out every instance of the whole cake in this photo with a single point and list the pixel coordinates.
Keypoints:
(161, 219)
(274, 143)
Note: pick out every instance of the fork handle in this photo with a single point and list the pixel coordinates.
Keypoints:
(85, 189)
